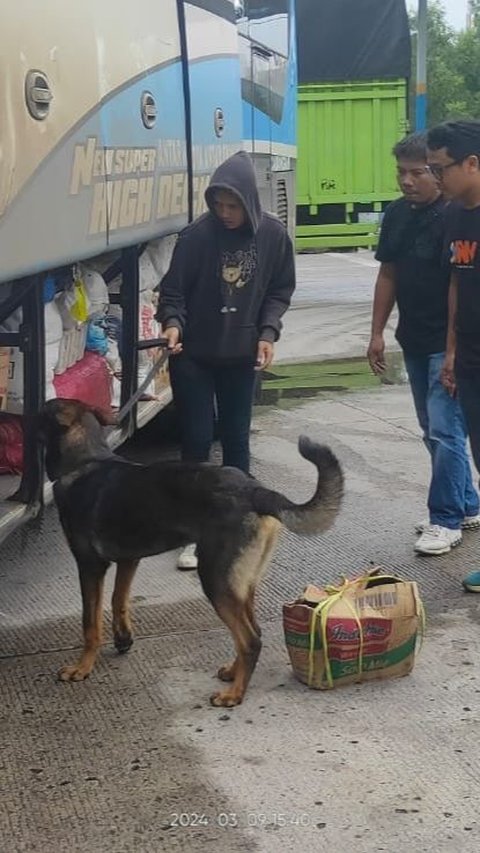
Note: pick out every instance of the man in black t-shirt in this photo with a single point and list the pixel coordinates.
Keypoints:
(454, 158)
(412, 275)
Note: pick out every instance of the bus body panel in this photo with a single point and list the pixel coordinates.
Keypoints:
(90, 176)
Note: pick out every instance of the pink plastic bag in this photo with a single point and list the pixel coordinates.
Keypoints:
(89, 380)
(11, 444)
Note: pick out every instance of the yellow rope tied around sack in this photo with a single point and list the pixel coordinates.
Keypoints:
(335, 593)
(423, 620)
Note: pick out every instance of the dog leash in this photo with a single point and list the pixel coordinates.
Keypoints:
(160, 343)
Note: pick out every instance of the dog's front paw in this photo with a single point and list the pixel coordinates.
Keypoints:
(76, 672)
(123, 641)
(226, 699)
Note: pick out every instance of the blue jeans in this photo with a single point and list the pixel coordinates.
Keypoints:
(451, 495)
(197, 387)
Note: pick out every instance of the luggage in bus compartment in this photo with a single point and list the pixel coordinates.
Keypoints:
(352, 109)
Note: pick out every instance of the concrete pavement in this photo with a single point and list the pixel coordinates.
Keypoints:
(331, 309)
(135, 761)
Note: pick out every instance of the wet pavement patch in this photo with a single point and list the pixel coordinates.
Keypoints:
(307, 379)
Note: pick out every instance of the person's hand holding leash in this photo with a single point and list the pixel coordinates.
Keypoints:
(265, 352)
(172, 335)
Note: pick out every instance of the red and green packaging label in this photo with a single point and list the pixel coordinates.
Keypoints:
(379, 643)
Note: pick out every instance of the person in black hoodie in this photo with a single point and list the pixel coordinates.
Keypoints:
(230, 280)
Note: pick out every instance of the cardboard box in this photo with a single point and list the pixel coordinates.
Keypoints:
(363, 629)
(4, 376)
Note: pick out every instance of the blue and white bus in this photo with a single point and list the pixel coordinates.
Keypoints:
(115, 116)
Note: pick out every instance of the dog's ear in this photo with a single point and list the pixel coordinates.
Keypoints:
(65, 413)
(68, 412)
(61, 412)
(104, 418)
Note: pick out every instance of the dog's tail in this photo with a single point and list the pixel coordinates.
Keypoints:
(319, 513)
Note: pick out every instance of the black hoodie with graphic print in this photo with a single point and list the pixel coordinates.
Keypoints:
(227, 289)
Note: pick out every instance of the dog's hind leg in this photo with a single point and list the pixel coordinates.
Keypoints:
(236, 608)
(91, 584)
(122, 626)
(247, 645)
(262, 549)
(227, 672)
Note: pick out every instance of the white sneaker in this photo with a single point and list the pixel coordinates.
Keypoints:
(437, 540)
(188, 559)
(470, 522)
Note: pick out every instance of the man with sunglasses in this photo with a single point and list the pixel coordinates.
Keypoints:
(454, 157)
(411, 275)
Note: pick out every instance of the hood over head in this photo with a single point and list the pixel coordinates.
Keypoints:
(237, 176)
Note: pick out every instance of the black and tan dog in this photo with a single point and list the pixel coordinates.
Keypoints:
(112, 510)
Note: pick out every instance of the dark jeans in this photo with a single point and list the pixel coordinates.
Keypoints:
(451, 495)
(196, 387)
(468, 385)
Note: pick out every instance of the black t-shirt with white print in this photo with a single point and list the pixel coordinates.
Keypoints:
(462, 253)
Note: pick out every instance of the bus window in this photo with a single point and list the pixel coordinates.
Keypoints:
(268, 24)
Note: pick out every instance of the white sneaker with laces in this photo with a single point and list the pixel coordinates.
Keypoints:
(188, 559)
(470, 522)
(437, 540)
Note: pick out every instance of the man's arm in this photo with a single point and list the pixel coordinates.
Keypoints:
(279, 292)
(171, 311)
(277, 300)
(383, 302)
(448, 369)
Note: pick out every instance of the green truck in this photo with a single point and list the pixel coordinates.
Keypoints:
(352, 109)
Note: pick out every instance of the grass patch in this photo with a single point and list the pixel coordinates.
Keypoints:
(345, 375)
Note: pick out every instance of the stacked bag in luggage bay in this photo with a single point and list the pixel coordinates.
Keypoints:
(73, 368)
(83, 342)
